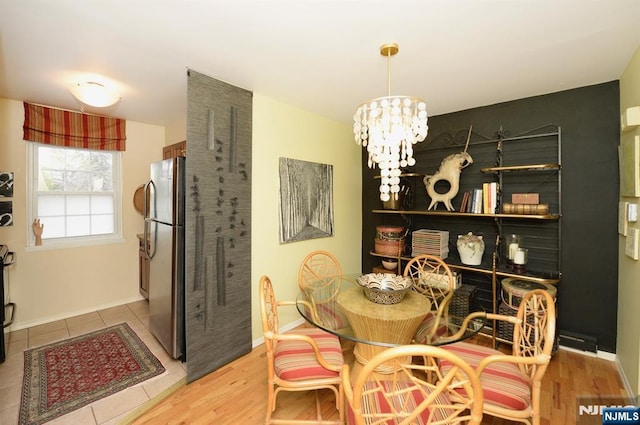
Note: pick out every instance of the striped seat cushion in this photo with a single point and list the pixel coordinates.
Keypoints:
(331, 317)
(503, 383)
(296, 360)
(422, 335)
(406, 402)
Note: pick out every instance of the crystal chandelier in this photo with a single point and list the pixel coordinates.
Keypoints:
(389, 127)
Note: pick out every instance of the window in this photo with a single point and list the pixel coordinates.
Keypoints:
(76, 194)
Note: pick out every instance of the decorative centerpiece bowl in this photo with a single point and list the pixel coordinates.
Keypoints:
(384, 288)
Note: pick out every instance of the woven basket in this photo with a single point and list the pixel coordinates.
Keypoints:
(463, 301)
(505, 329)
(513, 290)
(390, 240)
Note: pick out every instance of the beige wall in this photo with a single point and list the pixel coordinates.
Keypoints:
(280, 130)
(51, 284)
(628, 339)
(176, 131)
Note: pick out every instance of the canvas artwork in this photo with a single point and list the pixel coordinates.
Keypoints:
(622, 218)
(631, 244)
(6, 184)
(6, 213)
(629, 157)
(306, 200)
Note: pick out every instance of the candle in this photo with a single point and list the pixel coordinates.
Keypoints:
(513, 247)
(520, 256)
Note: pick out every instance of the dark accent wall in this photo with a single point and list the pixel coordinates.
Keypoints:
(590, 121)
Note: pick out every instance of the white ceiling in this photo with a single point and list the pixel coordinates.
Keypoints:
(322, 55)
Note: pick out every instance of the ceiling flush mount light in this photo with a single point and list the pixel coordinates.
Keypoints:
(389, 127)
(95, 94)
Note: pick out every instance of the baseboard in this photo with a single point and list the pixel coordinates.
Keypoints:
(605, 355)
(152, 403)
(630, 393)
(292, 325)
(67, 315)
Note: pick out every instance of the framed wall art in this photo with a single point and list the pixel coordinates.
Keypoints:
(306, 200)
(629, 157)
(623, 225)
(6, 184)
(6, 213)
(631, 244)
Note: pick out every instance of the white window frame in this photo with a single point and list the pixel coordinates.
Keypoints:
(70, 241)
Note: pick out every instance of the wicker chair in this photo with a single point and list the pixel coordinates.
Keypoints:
(320, 272)
(414, 393)
(318, 265)
(301, 360)
(512, 383)
(432, 278)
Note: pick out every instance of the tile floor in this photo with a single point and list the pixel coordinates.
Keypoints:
(110, 410)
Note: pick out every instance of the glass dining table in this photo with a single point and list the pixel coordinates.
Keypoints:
(339, 306)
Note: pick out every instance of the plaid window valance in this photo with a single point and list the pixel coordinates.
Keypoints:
(72, 129)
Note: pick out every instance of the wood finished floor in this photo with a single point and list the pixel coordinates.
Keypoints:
(236, 394)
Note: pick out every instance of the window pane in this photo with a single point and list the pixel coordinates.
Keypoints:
(53, 227)
(50, 180)
(78, 225)
(78, 205)
(101, 183)
(78, 160)
(101, 224)
(101, 204)
(50, 205)
(101, 172)
(101, 162)
(76, 192)
(77, 181)
(50, 157)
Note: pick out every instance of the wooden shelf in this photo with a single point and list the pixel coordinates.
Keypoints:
(405, 175)
(460, 214)
(535, 167)
(487, 269)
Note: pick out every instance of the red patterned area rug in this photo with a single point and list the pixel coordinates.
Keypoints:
(67, 375)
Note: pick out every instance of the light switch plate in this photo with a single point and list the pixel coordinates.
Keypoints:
(632, 212)
(630, 118)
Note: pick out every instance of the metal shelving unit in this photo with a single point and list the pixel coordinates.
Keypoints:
(529, 160)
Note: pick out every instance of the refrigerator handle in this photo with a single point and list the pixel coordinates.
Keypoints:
(145, 200)
(145, 213)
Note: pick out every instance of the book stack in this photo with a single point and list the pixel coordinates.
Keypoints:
(489, 197)
(481, 200)
(525, 203)
(432, 242)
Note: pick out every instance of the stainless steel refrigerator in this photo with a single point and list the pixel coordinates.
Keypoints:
(164, 234)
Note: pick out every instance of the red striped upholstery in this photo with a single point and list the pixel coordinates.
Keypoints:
(331, 317)
(407, 403)
(296, 360)
(424, 329)
(503, 383)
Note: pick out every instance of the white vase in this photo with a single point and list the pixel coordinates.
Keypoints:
(470, 248)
